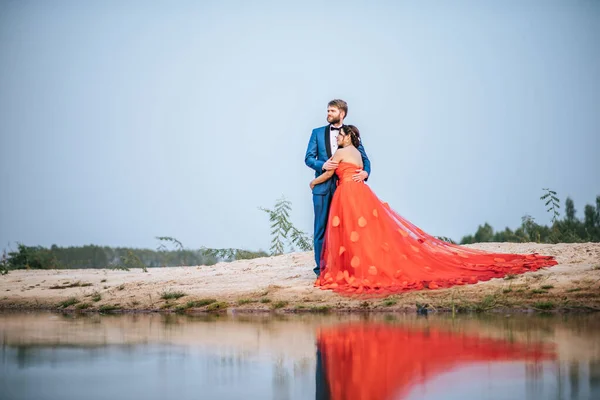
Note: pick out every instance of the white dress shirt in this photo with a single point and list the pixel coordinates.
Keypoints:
(333, 140)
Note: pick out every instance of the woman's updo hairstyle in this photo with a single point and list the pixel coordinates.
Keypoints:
(354, 134)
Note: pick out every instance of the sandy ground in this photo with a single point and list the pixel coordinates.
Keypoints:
(285, 284)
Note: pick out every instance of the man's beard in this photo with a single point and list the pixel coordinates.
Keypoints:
(334, 121)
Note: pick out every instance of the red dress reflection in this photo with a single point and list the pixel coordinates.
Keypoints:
(378, 361)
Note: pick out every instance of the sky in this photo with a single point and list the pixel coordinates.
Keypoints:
(123, 121)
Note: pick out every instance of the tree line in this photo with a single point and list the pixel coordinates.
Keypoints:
(170, 251)
(285, 236)
(92, 256)
(568, 229)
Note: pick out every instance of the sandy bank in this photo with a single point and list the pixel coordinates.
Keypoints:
(285, 283)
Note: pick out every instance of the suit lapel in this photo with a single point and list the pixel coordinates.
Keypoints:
(328, 140)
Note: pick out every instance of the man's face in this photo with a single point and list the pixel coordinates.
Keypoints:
(334, 115)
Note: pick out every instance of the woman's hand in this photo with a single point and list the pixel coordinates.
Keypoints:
(312, 184)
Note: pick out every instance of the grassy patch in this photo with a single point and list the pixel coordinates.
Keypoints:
(171, 295)
(280, 304)
(320, 309)
(485, 304)
(83, 306)
(364, 304)
(544, 305)
(539, 291)
(577, 289)
(200, 303)
(585, 295)
(507, 290)
(96, 297)
(106, 308)
(508, 277)
(546, 287)
(217, 306)
(103, 280)
(119, 268)
(391, 301)
(241, 302)
(66, 285)
(264, 300)
(69, 302)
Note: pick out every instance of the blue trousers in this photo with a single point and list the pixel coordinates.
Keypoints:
(321, 203)
(322, 385)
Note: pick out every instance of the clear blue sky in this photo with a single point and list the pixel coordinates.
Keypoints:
(122, 121)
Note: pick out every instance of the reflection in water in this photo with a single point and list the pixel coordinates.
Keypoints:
(380, 361)
(321, 380)
(47, 356)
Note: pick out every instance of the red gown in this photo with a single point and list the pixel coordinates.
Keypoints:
(380, 361)
(370, 248)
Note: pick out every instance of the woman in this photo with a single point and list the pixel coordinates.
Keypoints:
(369, 248)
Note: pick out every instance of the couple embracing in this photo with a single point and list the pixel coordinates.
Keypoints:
(363, 246)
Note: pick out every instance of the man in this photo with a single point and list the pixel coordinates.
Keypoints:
(321, 147)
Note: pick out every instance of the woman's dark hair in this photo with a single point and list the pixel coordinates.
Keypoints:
(354, 134)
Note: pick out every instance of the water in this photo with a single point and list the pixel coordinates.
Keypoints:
(370, 357)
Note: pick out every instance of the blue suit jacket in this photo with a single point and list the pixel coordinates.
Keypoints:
(319, 151)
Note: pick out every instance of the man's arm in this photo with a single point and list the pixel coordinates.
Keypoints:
(337, 157)
(310, 159)
(365, 159)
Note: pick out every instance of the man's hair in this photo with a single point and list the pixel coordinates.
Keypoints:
(340, 104)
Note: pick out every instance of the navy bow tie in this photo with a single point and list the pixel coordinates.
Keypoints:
(335, 129)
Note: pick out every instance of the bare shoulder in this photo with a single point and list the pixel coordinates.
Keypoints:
(354, 151)
(354, 156)
(340, 153)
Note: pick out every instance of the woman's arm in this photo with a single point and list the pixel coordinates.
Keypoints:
(321, 178)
